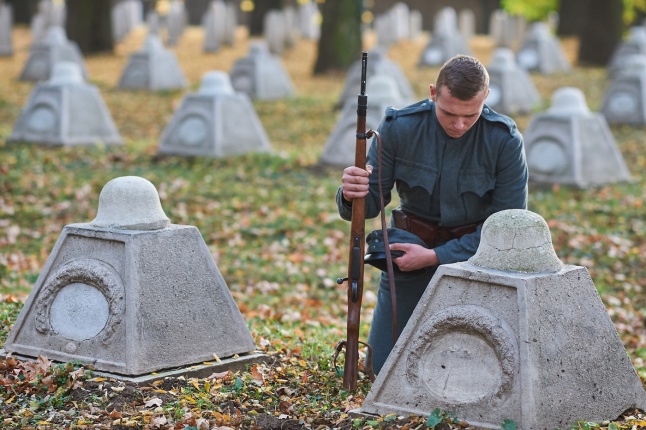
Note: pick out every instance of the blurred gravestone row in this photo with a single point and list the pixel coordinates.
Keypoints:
(54, 48)
(6, 24)
(153, 67)
(446, 40)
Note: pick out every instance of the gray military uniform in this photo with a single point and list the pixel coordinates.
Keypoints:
(449, 181)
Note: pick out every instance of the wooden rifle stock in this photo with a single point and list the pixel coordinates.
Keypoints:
(357, 247)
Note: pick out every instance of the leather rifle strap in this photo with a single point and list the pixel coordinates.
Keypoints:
(384, 230)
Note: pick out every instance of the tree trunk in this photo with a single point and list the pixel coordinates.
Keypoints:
(258, 15)
(23, 10)
(89, 24)
(570, 22)
(340, 42)
(601, 31)
(195, 9)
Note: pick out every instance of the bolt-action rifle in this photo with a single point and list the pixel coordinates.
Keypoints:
(357, 251)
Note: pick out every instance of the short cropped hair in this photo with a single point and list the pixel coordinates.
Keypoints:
(464, 76)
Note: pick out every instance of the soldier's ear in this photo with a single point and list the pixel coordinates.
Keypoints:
(433, 91)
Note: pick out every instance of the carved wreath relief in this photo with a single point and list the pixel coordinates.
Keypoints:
(464, 355)
(84, 298)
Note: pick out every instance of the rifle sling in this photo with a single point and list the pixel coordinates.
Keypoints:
(384, 230)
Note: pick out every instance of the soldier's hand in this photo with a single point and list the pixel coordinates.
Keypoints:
(415, 256)
(355, 182)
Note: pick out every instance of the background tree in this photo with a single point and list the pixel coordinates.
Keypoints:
(340, 42)
(89, 24)
(261, 7)
(601, 30)
(23, 10)
(570, 21)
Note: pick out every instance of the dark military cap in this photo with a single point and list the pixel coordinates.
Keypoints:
(376, 254)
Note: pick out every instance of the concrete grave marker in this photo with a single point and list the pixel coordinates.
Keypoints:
(511, 87)
(261, 75)
(276, 31)
(215, 121)
(635, 43)
(541, 51)
(510, 334)
(55, 48)
(570, 145)
(378, 64)
(214, 25)
(130, 293)
(393, 25)
(152, 68)
(309, 19)
(382, 92)
(176, 21)
(624, 101)
(467, 23)
(126, 15)
(446, 40)
(507, 30)
(65, 110)
(6, 25)
(51, 13)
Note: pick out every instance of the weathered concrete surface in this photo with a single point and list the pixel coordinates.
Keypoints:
(537, 348)
(130, 302)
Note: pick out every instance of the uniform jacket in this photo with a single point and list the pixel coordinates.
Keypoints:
(449, 181)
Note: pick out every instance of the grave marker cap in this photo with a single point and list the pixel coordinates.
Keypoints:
(130, 203)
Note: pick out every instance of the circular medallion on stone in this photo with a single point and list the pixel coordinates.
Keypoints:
(192, 131)
(463, 355)
(528, 59)
(623, 104)
(79, 312)
(42, 119)
(547, 156)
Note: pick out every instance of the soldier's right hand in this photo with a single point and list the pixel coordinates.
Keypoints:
(355, 182)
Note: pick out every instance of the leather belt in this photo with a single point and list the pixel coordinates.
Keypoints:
(431, 233)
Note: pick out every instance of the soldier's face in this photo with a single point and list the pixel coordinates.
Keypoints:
(457, 116)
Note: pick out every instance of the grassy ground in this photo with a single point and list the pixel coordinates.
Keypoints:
(271, 225)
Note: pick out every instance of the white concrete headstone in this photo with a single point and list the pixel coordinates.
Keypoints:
(511, 334)
(152, 68)
(570, 145)
(634, 44)
(43, 56)
(378, 64)
(261, 75)
(382, 91)
(65, 110)
(129, 293)
(446, 40)
(6, 25)
(624, 101)
(541, 51)
(511, 89)
(216, 121)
